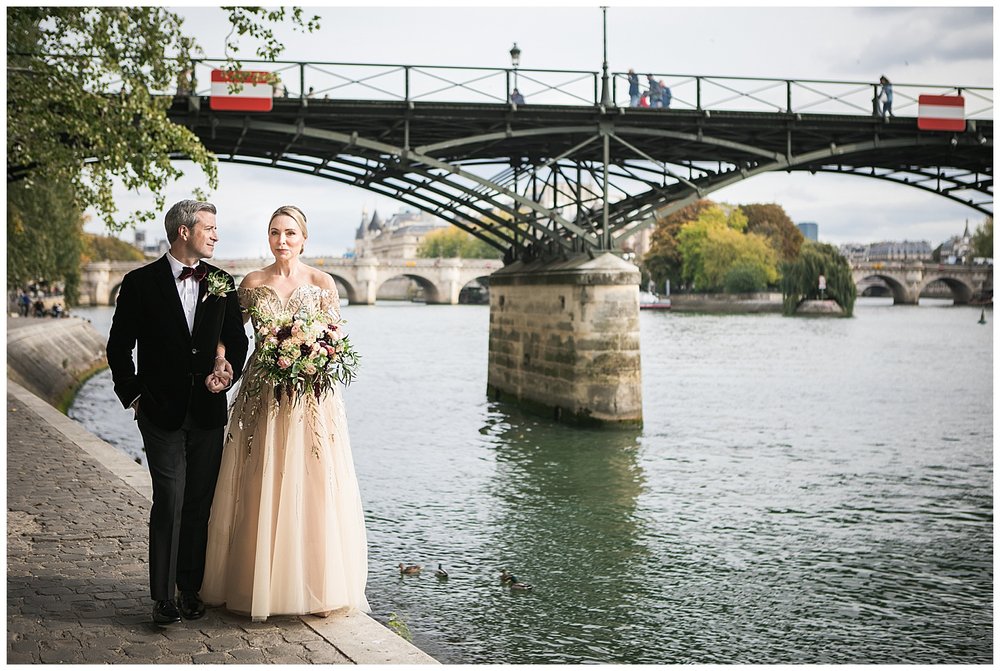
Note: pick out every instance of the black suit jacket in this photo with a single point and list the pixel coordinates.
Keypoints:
(172, 363)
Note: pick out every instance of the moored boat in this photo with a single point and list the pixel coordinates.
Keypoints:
(650, 301)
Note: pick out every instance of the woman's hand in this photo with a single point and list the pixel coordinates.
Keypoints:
(221, 377)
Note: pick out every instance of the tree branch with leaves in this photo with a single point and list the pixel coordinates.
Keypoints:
(87, 98)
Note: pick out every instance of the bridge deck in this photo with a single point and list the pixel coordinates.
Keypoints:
(476, 132)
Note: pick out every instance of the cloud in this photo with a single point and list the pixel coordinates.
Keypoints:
(918, 36)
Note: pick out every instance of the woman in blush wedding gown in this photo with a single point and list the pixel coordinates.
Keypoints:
(286, 534)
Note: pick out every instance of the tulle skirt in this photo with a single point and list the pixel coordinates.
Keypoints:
(287, 533)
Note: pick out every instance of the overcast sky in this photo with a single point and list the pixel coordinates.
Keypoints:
(922, 45)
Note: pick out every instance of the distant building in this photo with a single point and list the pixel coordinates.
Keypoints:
(396, 238)
(810, 230)
(149, 249)
(958, 249)
(854, 251)
(907, 250)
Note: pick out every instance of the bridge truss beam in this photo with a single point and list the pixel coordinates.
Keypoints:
(561, 180)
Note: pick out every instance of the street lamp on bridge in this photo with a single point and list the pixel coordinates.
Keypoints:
(515, 60)
(604, 75)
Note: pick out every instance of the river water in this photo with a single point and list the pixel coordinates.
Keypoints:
(803, 490)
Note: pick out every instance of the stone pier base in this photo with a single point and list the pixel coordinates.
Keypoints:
(564, 339)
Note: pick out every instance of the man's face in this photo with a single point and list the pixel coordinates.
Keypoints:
(201, 239)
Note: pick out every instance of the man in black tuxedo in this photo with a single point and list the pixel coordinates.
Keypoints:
(165, 310)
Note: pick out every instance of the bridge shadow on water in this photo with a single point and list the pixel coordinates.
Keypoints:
(566, 521)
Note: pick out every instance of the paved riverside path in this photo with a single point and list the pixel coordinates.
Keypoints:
(77, 582)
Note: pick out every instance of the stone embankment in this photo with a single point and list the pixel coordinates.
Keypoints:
(77, 511)
(52, 357)
(726, 303)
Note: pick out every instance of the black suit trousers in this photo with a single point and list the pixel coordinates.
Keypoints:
(184, 464)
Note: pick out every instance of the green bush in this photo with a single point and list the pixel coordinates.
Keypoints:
(745, 278)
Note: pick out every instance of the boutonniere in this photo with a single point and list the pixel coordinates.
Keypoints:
(219, 284)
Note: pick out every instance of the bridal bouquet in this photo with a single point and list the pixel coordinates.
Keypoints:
(307, 352)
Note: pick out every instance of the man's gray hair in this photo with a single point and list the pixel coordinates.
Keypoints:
(184, 213)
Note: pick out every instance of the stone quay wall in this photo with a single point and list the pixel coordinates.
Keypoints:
(726, 303)
(53, 357)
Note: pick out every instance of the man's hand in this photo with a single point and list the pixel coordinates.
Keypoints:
(215, 384)
(221, 378)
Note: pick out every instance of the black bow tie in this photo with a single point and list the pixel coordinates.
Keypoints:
(198, 273)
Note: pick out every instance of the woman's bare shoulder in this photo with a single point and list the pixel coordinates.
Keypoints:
(253, 279)
(321, 279)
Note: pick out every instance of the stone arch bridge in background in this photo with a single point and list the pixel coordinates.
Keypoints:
(907, 279)
(441, 279)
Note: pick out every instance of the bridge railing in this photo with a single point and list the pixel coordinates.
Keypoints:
(436, 83)
(423, 83)
(798, 96)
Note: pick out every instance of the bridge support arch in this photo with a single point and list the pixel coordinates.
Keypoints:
(905, 291)
(961, 292)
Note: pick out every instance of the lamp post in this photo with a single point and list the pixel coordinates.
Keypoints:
(515, 60)
(604, 74)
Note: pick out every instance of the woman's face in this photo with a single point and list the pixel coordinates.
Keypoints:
(285, 237)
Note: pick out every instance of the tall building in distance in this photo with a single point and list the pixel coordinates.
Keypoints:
(810, 230)
(150, 250)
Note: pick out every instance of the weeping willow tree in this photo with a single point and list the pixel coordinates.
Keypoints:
(800, 278)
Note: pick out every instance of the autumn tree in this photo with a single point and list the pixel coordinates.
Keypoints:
(452, 242)
(715, 244)
(982, 239)
(663, 260)
(771, 221)
(107, 248)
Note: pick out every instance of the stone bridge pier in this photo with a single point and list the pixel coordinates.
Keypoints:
(564, 339)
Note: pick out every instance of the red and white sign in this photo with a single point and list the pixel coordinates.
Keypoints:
(255, 95)
(941, 113)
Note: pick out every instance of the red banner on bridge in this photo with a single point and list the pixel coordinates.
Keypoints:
(941, 113)
(256, 94)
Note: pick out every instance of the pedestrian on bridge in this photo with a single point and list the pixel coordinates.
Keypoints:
(516, 97)
(633, 88)
(665, 95)
(655, 99)
(885, 98)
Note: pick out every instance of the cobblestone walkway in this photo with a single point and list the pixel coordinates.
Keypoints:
(76, 570)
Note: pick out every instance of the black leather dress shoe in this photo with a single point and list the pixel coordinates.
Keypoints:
(191, 605)
(165, 612)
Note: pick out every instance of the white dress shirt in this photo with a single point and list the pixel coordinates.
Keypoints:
(187, 290)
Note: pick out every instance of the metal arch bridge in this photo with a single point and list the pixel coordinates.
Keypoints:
(563, 173)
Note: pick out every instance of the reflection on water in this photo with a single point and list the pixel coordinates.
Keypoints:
(803, 490)
(565, 521)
